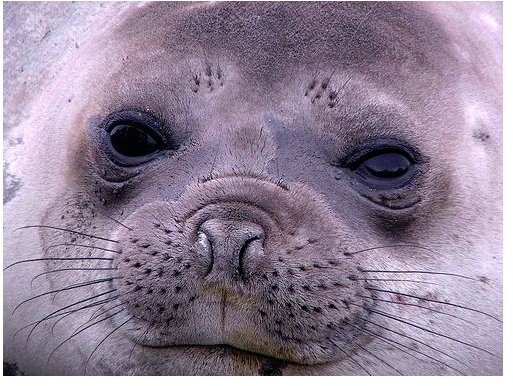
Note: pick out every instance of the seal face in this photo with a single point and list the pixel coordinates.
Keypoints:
(234, 193)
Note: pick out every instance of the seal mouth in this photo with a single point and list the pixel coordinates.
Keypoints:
(213, 347)
(302, 353)
(328, 347)
(277, 361)
(261, 363)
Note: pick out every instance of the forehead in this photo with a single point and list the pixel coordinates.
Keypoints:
(269, 55)
(265, 40)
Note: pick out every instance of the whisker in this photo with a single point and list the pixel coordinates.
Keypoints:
(380, 359)
(347, 45)
(383, 279)
(101, 313)
(74, 286)
(373, 355)
(215, 158)
(98, 303)
(71, 269)
(140, 337)
(349, 357)
(432, 332)
(58, 292)
(66, 230)
(66, 314)
(116, 221)
(57, 259)
(339, 89)
(388, 341)
(411, 338)
(364, 18)
(435, 301)
(101, 303)
(81, 245)
(111, 299)
(56, 313)
(390, 246)
(103, 340)
(93, 315)
(418, 306)
(78, 332)
(157, 220)
(419, 272)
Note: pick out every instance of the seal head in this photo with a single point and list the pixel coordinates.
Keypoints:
(265, 189)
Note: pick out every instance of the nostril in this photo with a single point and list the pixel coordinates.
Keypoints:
(250, 248)
(229, 247)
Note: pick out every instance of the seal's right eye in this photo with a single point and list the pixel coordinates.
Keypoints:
(133, 139)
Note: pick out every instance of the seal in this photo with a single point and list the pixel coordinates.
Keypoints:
(273, 189)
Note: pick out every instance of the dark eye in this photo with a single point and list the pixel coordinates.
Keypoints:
(134, 140)
(384, 168)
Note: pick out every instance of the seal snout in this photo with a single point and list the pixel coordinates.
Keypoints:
(229, 246)
(240, 262)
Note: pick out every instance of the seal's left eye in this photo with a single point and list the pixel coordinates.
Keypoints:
(387, 165)
(132, 138)
(384, 168)
(129, 140)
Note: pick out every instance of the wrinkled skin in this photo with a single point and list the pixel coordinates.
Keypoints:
(244, 247)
